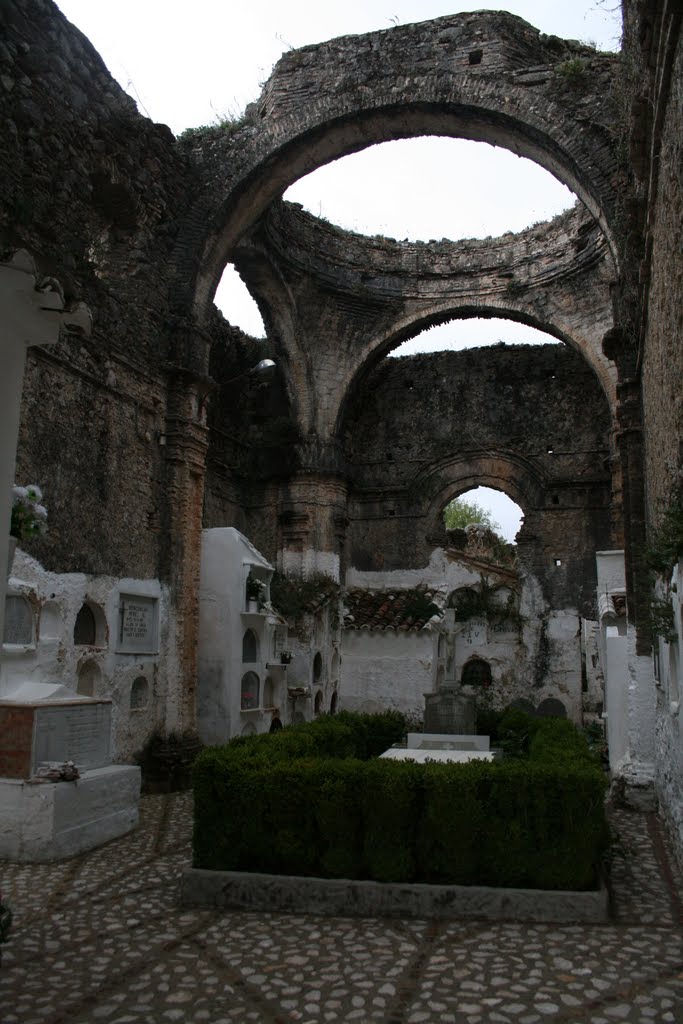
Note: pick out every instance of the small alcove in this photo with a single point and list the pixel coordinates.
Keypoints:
(90, 627)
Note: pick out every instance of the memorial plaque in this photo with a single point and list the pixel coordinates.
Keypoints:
(73, 732)
(18, 622)
(138, 625)
(475, 633)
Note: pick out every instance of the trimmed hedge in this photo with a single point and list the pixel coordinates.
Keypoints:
(281, 804)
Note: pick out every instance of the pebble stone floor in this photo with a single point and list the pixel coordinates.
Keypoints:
(102, 938)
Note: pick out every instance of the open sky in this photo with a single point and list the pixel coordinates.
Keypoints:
(193, 64)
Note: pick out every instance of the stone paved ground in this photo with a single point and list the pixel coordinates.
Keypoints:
(101, 938)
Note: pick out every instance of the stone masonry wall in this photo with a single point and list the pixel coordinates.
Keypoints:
(92, 190)
(420, 427)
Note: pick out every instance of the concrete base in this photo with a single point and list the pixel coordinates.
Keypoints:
(52, 820)
(236, 890)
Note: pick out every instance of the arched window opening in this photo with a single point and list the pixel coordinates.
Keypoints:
(237, 305)
(333, 703)
(249, 691)
(476, 672)
(249, 646)
(489, 508)
(318, 703)
(317, 667)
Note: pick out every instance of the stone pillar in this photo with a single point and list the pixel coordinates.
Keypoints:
(31, 313)
(186, 446)
(631, 451)
(313, 515)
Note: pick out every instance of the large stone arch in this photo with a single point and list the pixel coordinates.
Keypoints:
(343, 301)
(525, 483)
(487, 76)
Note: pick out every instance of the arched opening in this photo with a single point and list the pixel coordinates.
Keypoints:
(50, 627)
(333, 703)
(90, 627)
(249, 646)
(19, 624)
(317, 667)
(236, 302)
(139, 694)
(551, 708)
(84, 628)
(477, 673)
(366, 191)
(89, 677)
(318, 702)
(249, 691)
(488, 507)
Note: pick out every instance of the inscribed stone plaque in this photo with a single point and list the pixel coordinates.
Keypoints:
(138, 625)
(73, 732)
(475, 633)
(18, 621)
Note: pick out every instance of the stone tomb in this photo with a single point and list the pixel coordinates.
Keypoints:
(41, 821)
(78, 730)
(448, 747)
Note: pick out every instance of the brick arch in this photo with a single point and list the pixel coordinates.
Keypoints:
(326, 101)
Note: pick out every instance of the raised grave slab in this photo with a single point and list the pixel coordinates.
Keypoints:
(32, 733)
(447, 741)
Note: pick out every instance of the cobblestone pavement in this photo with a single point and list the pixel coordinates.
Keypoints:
(101, 938)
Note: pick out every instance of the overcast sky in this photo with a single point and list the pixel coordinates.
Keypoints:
(193, 64)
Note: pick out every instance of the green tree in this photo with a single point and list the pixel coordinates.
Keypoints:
(459, 513)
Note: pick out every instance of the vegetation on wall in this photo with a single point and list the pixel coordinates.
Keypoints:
(295, 595)
(484, 603)
(459, 513)
(666, 540)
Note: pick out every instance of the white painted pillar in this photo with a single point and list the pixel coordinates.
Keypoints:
(31, 313)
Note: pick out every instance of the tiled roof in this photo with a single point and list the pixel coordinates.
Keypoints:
(391, 609)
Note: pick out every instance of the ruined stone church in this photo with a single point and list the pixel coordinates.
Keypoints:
(177, 478)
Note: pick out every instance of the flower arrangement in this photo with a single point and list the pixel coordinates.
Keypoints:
(29, 516)
(256, 589)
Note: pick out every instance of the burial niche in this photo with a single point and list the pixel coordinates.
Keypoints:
(476, 672)
(249, 693)
(249, 647)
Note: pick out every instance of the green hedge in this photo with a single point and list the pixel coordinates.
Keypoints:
(280, 804)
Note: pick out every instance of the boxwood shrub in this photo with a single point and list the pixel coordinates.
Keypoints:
(314, 799)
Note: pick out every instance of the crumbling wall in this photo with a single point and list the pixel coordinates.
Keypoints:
(418, 426)
(92, 190)
(653, 315)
